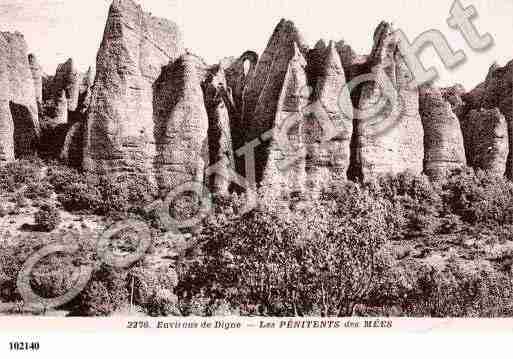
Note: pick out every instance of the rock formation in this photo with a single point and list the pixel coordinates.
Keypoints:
(389, 130)
(71, 151)
(37, 75)
(181, 124)
(219, 131)
(85, 91)
(120, 133)
(61, 109)
(152, 107)
(67, 78)
(280, 165)
(485, 133)
(443, 139)
(19, 121)
(495, 92)
(267, 88)
(237, 79)
(328, 120)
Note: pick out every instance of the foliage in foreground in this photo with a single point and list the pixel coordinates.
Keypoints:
(330, 257)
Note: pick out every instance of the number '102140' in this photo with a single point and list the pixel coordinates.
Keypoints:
(24, 346)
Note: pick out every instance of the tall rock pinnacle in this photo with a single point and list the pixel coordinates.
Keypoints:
(120, 125)
(328, 122)
(443, 138)
(389, 128)
(181, 124)
(19, 120)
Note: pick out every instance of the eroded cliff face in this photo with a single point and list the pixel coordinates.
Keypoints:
(120, 131)
(443, 138)
(280, 164)
(68, 79)
(152, 107)
(37, 76)
(328, 120)
(389, 137)
(496, 92)
(220, 145)
(19, 121)
(181, 124)
(485, 133)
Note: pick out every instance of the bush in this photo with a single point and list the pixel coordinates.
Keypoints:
(415, 205)
(17, 174)
(20, 200)
(60, 177)
(81, 197)
(38, 190)
(47, 218)
(317, 261)
(479, 197)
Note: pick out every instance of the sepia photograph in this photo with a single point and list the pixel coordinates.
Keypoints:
(249, 165)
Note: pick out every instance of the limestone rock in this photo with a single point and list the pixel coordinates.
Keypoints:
(354, 65)
(389, 133)
(181, 124)
(85, 91)
(443, 138)
(120, 124)
(6, 121)
(72, 148)
(454, 95)
(328, 122)
(19, 125)
(37, 75)
(237, 79)
(61, 109)
(486, 140)
(267, 89)
(217, 102)
(67, 78)
(282, 162)
(263, 91)
(496, 92)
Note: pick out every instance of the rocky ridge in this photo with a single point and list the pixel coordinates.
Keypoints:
(150, 106)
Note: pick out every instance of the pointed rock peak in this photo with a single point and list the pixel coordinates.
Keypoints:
(383, 30)
(385, 43)
(332, 62)
(252, 56)
(287, 28)
(70, 63)
(67, 67)
(298, 55)
(320, 45)
(346, 52)
(89, 76)
(119, 4)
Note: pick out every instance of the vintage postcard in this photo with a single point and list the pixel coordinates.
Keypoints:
(172, 166)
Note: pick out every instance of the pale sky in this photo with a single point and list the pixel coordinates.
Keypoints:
(58, 29)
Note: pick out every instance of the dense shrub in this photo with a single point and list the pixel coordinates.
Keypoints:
(415, 203)
(39, 189)
(81, 197)
(47, 218)
(17, 174)
(60, 177)
(479, 197)
(316, 261)
(21, 200)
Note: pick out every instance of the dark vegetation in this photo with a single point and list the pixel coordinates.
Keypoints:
(399, 245)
